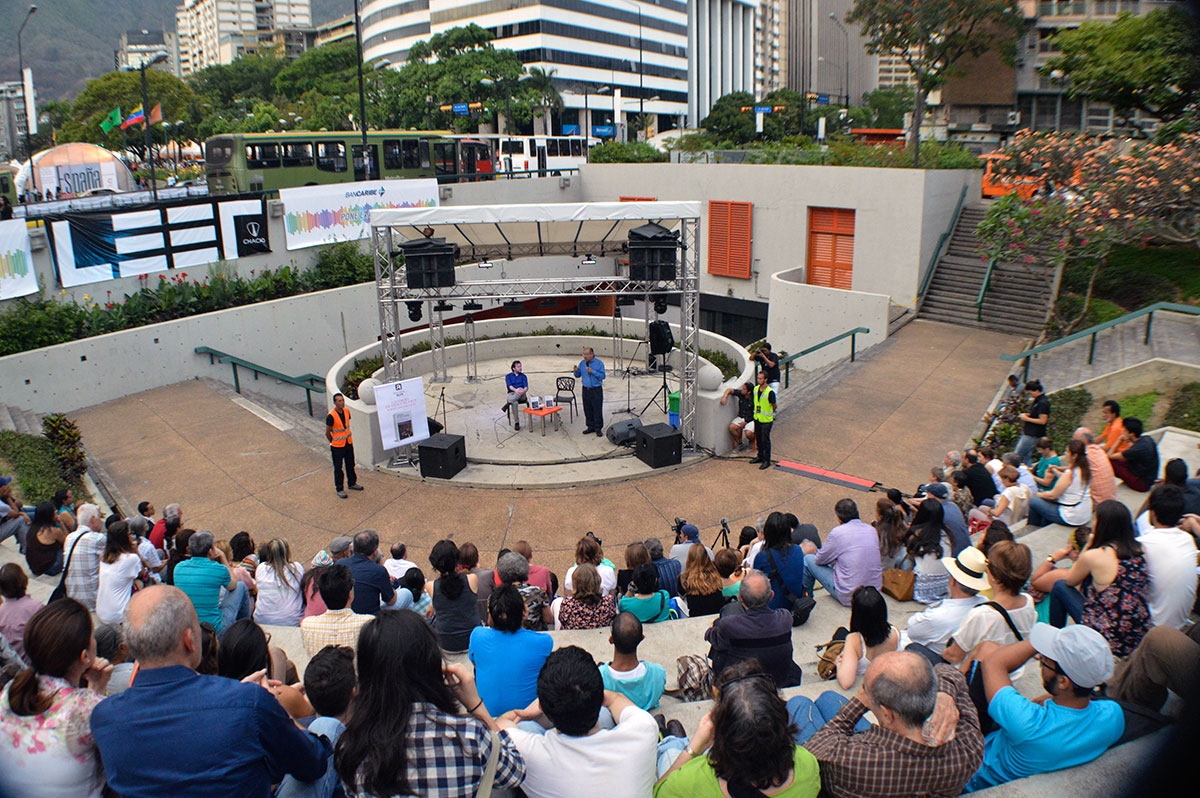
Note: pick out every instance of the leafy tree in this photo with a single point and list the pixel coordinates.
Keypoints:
(931, 36)
(329, 69)
(726, 121)
(888, 106)
(124, 90)
(1145, 63)
(541, 83)
(249, 77)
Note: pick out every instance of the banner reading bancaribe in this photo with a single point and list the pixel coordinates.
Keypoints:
(17, 277)
(323, 214)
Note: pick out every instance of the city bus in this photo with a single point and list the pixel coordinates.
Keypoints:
(241, 162)
(541, 154)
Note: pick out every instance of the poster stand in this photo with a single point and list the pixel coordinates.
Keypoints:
(402, 420)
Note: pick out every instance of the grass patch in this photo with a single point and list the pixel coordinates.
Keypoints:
(1067, 409)
(1068, 307)
(1140, 406)
(36, 466)
(1135, 277)
(1184, 411)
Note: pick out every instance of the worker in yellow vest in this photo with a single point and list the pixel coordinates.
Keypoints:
(341, 445)
(765, 404)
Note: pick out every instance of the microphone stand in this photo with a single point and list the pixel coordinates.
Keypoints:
(628, 371)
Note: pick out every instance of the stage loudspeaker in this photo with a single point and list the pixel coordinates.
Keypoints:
(429, 262)
(442, 455)
(659, 445)
(652, 253)
(622, 433)
(661, 339)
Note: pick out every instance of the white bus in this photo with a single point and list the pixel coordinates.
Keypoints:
(543, 155)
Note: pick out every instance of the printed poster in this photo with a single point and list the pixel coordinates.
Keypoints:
(401, 412)
(317, 215)
(17, 277)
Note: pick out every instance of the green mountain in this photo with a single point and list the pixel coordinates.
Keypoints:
(68, 42)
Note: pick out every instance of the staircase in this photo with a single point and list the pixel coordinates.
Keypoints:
(15, 419)
(1017, 302)
(292, 419)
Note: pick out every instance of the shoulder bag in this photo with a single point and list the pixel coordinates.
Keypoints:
(898, 583)
(60, 592)
(1008, 620)
(802, 606)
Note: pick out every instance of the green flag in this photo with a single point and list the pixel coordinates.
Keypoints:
(111, 121)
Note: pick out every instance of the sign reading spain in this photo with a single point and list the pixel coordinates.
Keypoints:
(316, 215)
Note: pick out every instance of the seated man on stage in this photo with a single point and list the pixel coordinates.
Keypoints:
(744, 423)
(518, 386)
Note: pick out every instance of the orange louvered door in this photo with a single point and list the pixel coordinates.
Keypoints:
(831, 247)
(729, 238)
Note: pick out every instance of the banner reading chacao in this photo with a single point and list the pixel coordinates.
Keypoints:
(323, 214)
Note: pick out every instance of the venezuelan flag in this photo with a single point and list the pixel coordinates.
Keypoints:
(135, 118)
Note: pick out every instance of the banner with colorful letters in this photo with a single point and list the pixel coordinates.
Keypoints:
(317, 215)
(17, 277)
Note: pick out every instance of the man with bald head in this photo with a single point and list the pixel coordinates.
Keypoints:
(1103, 485)
(927, 741)
(757, 632)
(225, 737)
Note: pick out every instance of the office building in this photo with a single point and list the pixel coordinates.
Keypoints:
(12, 119)
(721, 40)
(140, 46)
(825, 56)
(335, 30)
(770, 47)
(218, 31)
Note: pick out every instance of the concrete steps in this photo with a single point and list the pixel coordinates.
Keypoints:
(291, 418)
(25, 422)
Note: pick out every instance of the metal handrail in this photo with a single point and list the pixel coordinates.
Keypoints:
(851, 334)
(303, 381)
(983, 289)
(937, 251)
(1095, 329)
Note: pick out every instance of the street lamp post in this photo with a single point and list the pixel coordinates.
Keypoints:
(157, 59)
(362, 97)
(846, 40)
(24, 97)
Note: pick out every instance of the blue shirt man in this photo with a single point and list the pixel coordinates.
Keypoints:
(372, 584)
(590, 372)
(518, 389)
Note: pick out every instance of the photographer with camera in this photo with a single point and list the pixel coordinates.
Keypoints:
(769, 362)
(686, 536)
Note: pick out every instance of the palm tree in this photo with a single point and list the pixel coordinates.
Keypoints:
(541, 81)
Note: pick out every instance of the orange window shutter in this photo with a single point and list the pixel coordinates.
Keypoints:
(831, 247)
(740, 239)
(718, 237)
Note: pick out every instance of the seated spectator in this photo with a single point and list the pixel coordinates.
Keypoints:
(700, 584)
(45, 714)
(587, 607)
(1170, 558)
(164, 530)
(668, 569)
(897, 498)
(729, 566)
(1103, 485)
(928, 542)
(339, 625)
(513, 569)
(65, 509)
(960, 496)
(244, 576)
(1069, 502)
(588, 551)
(485, 578)
(898, 756)
(1024, 473)
(154, 564)
(372, 585)
(802, 532)
(996, 532)
(407, 735)
(645, 600)
(691, 537)
(110, 646)
(178, 552)
(748, 736)
(414, 583)
(750, 541)
(44, 542)
(1065, 729)
(575, 757)
(757, 633)
(1164, 660)
(313, 605)
(280, 602)
(453, 598)
(1010, 615)
(635, 555)
(1137, 465)
(987, 456)
(246, 654)
(1012, 503)
(507, 656)
(201, 577)
(1111, 573)
(892, 530)
(953, 521)
(641, 682)
(209, 651)
(329, 685)
(83, 570)
(933, 626)
(870, 635)
(13, 522)
(398, 564)
(1175, 473)
(120, 567)
(979, 479)
(242, 552)
(17, 607)
(849, 558)
(785, 563)
(539, 575)
(1112, 437)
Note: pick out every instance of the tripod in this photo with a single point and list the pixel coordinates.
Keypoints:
(664, 368)
(628, 373)
(722, 539)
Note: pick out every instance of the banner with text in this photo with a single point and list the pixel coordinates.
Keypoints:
(92, 247)
(17, 277)
(401, 409)
(341, 212)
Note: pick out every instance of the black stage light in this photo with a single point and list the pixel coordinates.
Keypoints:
(472, 306)
(660, 305)
(625, 300)
(414, 310)
(442, 306)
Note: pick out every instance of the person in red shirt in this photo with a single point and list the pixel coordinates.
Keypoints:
(539, 575)
(167, 526)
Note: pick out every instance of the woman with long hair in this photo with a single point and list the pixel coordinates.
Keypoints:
(781, 560)
(408, 733)
(1069, 502)
(44, 542)
(635, 555)
(892, 530)
(587, 607)
(454, 596)
(700, 584)
(750, 741)
(928, 542)
(45, 716)
(277, 576)
(1108, 587)
(588, 551)
(870, 635)
(245, 651)
(120, 566)
(178, 553)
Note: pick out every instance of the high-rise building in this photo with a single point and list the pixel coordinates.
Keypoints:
(720, 52)
(770, 47)
(335, 30)
(218, 31)
(12, 118)
(827, 55)
(139, 46)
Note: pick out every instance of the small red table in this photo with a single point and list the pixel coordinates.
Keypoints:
(542, 413)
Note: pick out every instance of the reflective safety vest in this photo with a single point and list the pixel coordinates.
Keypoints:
(340, 429)
(762, 404)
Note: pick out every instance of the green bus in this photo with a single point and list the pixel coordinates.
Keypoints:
(8, 185)
(243, 162)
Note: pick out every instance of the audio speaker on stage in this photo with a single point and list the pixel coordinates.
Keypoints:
(661, 339)
(429, 262)
(652, 253)
(442, 455)
(622, 433)
(659, 445)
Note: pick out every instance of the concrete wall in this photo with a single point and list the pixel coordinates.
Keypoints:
(802, 315)
(1157, 375)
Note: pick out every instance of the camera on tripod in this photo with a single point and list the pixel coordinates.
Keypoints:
(678, 527)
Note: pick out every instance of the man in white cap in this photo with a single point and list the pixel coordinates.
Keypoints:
(1066, 728)
(934, 627)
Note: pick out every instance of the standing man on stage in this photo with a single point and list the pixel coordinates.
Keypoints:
(591, 372)
(341, 445)
(765, 404)
(517, 385)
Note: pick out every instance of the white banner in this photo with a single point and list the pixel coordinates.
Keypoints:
(17, 277)
(341, 212)
(401, 408)
(31, 119)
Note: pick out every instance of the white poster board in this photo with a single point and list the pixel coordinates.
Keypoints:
(17, 277)
(401, 412)
(316, 215)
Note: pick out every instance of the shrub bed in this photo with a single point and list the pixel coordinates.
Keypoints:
(1184, 411)
(37, 467)
(1067, 409)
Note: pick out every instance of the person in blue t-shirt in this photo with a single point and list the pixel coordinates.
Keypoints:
(1061, 730)
(507, 656)
(518, 388)
(641, 682)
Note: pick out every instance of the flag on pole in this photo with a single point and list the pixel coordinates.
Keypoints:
(112, 120)
(136, 117)
(156, 114)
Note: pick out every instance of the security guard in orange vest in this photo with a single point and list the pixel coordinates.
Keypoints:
(341, 445)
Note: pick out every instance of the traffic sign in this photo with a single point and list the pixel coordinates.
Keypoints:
(762, 109)
(462, 109)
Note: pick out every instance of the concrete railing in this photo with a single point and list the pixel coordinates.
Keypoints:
(801, 315)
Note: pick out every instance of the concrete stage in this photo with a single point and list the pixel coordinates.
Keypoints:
(500, 456)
